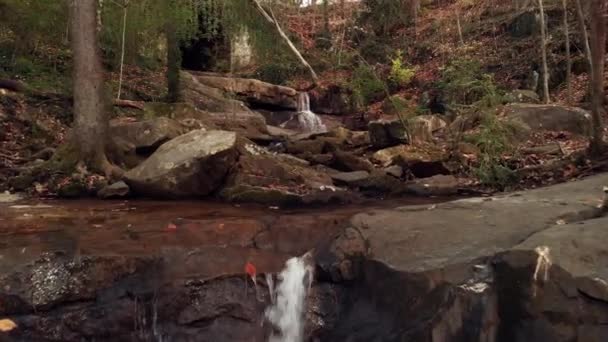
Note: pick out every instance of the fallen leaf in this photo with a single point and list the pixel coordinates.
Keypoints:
(7, 325)
(250, 270)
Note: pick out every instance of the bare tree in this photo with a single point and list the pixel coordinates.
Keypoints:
(174, 60)
(583, 28)
(568, 59)
(543, 47)
(598, 52)
(269, 16)
(125, 6)
(91, 124)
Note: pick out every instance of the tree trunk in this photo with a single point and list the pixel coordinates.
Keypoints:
(598, 52)
(543, 47)
(459, 27)
(174, 60)
(90, 121)
(568, 58)
(584, 36)
(272, 20)
(122, 47)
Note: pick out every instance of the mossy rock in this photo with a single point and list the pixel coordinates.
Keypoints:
(74, 189)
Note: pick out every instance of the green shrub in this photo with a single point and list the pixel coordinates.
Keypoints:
(395, 105)
(463, 83)
(494, 139)
(400, 74)
(24, 66)
(366, 86)
(374, 50)
(277, 73)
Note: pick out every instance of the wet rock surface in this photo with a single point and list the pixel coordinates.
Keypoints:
(501, 268)
(468, 270)
(142, 271)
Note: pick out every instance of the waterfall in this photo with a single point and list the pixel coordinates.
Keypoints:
(287, 313)
(308, 120)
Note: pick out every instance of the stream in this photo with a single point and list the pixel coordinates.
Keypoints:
(162, 271)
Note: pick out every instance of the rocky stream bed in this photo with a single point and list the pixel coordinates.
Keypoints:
(529, 266)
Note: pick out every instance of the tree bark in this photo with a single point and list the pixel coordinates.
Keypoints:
(543, 46)
(584, 36)
(459, 27)
(174, 60)
(90, 121)
(122, 47)
(598, 52)
(568, 58)
(272, 20)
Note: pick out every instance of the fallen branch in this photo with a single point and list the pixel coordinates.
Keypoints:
(129, 104)
(273, 21)
(12, 85)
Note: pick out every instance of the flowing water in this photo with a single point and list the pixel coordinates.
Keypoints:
(308, 120)
(286, 314)
(181, 264)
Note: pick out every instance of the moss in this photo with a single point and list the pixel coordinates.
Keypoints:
(64, 160)
(73, 189)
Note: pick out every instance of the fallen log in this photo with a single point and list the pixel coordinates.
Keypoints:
(12, 85)
(129, 104)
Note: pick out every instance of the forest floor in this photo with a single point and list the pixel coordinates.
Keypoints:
(32, 126)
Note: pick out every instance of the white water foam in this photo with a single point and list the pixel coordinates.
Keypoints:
(308, 120)
(287, 312)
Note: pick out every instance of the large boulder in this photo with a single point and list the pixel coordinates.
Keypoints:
(439, 185)
(246, 123)
(192, 165)
(525, 24)
(146, 136)
(191, 115)
(523, 96)
(333, 100)
(261, 177)
(207, 98)
(386, 133)
(550, 117)
(422, 127)
(422, 161)
(252, 91)
(479, 270)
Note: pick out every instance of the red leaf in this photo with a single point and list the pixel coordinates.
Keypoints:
(250, 269)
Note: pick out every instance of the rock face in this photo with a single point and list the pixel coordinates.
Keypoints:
(334, 100)
(261, 177)
(116, 190)
(192, 165)
(386, 133)
(551, 117)
(146, 135)
(422, 161)
(523, 96)
(525, 24)
(422, 127)
(479, 270)
(350, 177)
(254, 92)
(439, 185)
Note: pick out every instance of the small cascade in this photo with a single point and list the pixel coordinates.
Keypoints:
(287, 312)
(308, 120)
